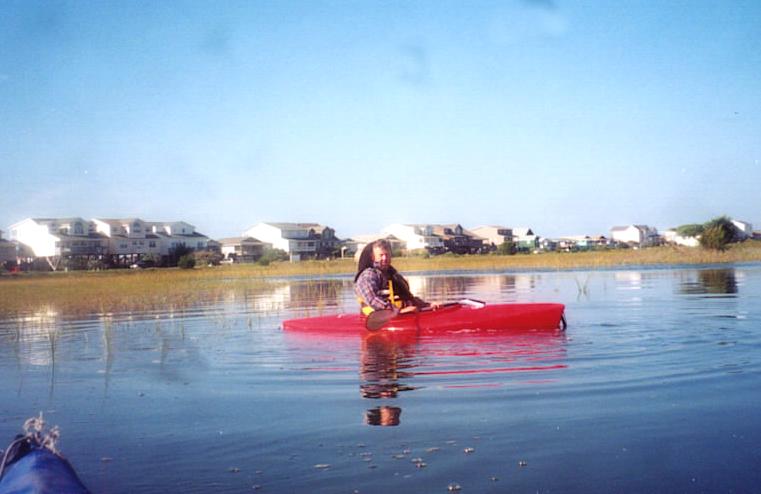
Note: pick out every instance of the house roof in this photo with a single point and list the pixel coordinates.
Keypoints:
(522, 231)
(371, 237)
(59, 220)
(238, 240)
(120, 221)
(642, 228)
(497, 227)
(305, 226)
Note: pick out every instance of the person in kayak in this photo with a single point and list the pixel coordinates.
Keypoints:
(379, 286)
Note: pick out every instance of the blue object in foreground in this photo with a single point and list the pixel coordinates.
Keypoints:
(31, 466)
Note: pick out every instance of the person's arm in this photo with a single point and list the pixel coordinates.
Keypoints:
(367, 288)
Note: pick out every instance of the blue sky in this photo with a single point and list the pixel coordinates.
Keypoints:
(568, 117)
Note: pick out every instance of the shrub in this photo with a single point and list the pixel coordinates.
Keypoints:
(208, 257)
(718, 233)
(272, 255)
(187, 261)
(176, 253)
(506, 249)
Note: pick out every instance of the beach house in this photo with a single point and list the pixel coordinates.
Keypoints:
(494, 235)
(417, 237)
(635, 235)
(241, 249)
(56, 239)
(458, 240)
(298, 240)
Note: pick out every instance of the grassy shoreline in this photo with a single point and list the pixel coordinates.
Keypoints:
(126, 290)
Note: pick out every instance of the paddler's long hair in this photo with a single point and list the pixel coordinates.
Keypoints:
(401, 287)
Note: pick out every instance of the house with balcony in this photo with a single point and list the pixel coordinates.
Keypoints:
(176, 233)
(60, 241)
(458, 240)
(417, 237)
(525, 239)
(130, 239)
(635, 235)
(582, 242)
(241, 249)
(354, 245)
(299, 240)
(493, 235)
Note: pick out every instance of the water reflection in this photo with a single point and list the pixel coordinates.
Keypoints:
(709, 281)
(391, 364)
(489, 287)
(383, 415)
(313, 294)
(384, 363)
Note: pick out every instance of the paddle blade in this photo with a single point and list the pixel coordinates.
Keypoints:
(377, 319)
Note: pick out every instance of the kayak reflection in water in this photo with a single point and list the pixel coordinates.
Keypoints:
(383, 364)
(379, 286)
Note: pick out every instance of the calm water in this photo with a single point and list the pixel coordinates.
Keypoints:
(655, 387)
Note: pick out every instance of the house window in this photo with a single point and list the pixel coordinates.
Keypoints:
(78, 230)
(152, 243)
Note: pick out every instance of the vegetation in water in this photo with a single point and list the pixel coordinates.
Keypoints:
(163, 289)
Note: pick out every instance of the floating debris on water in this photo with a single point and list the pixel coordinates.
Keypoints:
(322, 466)
(494, 479)
(454, 487)
(417, 460)
(256, 487)
(432, 450)
(233, 470)
(522, 463)
(399, 456)
(469, 450)
(421, 464)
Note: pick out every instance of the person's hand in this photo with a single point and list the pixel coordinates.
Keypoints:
(435, 305)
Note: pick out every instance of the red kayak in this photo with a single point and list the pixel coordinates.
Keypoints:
(464, 315)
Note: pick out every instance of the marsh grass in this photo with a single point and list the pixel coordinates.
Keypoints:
(175, 289)
(119, 291)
